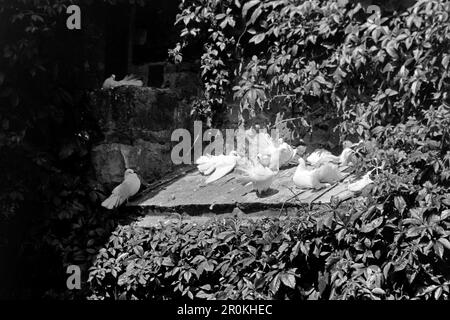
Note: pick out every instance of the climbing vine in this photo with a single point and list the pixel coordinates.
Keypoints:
(366, 69)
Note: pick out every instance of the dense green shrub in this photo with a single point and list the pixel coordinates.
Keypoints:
(366, 69)
(368, 252)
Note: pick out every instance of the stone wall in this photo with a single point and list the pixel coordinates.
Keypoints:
(136, 125)
(183, 78)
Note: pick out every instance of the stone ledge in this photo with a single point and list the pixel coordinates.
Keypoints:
(136, 124)
(188, 194)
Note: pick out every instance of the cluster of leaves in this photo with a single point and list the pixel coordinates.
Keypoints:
(367, 252)
(210, 23)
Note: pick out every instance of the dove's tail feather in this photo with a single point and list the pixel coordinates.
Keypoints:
(328, 173)
(136, 83)
(131, 80)
(216, 176)
(206, 168)
(129, 77)
(203, 159)
(112, 202)
(220, 172)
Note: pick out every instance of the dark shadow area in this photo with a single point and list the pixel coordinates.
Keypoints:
(50, 202)
(268, 193)
(150, 190)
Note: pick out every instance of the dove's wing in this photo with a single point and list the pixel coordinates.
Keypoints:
(260, 174)
(207, 169)
(128, 188)
(286, 154)
(265, 143)
(225, 165)
(329, 173)
(315, 156)
(203, 159)
(130, 80)
(259, 142)
(307, 179)
(262, 178)
(321, 156)
(207, 164)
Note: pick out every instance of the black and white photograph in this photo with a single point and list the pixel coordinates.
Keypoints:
(230, 157)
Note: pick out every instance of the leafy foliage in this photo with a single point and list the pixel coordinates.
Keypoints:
(372, 253)
(368, 70)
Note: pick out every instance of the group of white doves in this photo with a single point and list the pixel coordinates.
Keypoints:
(260, 170)
(272, 154)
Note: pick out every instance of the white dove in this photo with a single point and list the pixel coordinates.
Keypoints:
(281, 152)
(129, 80)
(360, 184)
(307, 179)
(259, 142)
(329, 173)
(321, 156)
(219, 165)
(259, 174)
(128, 188)
(287, 152)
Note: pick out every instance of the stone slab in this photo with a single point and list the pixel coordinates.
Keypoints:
(187, 192)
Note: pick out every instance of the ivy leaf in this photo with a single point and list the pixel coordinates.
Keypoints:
(288, 279)
(400, 204)
(295, 250)
(248, 5)
(415, 87)
(439, 249)
(203, 295)
(139, 251)
(445, 60)
(366, 228)
(257, 38)
(378, 291)
(255, 16)
(392, 52)
(220, 16)
(167, 261)
(275, 284)
(283, 247)
(445, 243)
(437, 293)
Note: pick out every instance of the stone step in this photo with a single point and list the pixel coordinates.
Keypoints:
(187, 193)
